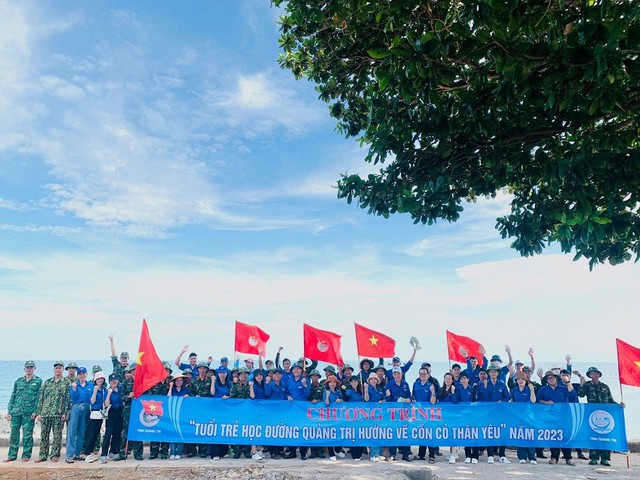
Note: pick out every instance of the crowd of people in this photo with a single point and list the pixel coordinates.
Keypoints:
(103, 404)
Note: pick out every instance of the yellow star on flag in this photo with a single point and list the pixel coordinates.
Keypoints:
(139, 361)
(152, 407)
(374, 340)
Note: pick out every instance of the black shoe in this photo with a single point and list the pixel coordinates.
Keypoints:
(275, 456)
(138, 457)
(321, 455)
(303, 458)
(290, 455)
(236, 455)
(191, 455)
(582, 456)
(542, 455)
(421, 458)
(313, 455)
(203, 455)
(406, 458)
(153, 456)
(163, 456)
(119, 458)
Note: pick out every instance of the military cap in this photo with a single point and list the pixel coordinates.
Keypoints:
(71, 365)
(496, 358)
(235, 369)
(244, 370)
(124, 355)
(271, 371)
(131, 367)
(58, 362)
(366, 360)
(493, 367)
(296, 365)
(187, 371)
(330, 368)
(257, 371)
(202, 364)
(29, 363)
(304, 361)
(96, 368)
(550, 373)
(167, 366)
(346, 366)
(314, 372)
(381, 366)
(593, 370)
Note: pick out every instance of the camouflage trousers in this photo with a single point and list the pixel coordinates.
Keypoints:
(156, 448)
(135, 447)
(26, 423)
(48, 425)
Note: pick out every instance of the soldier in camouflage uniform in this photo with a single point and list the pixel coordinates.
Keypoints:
(127, 395)
(241, 389)
(22, 412)
(119, 366)
(596, 392)
(161, 388)
(200, 386)
(53, 408)
(316, 395)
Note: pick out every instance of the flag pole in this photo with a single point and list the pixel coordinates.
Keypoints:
(621, 391)
(446, 336)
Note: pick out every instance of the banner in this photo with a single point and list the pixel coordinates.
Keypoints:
(282, 422)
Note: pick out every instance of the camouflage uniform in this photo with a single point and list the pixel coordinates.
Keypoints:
(317, 393)
(161, 448)
(199, 388)
(136, 447)
(118, 369)
(22, 405)
(599, 393)
(53, 406)
(241, 390)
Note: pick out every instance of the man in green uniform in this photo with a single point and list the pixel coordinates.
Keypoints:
(53, 407)
(127, 396)
(22, 412)
(241, 389)
(316, 395)
(161, 388)
(200, 386)
(596, 392)
(121, 365)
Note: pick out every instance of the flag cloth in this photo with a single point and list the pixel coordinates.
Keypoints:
(374, 344)
(149, 368)
(322, 345)
(250, 339)
(454, 342)
(628, 363)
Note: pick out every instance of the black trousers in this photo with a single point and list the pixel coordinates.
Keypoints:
(91, 434)
(113, 432)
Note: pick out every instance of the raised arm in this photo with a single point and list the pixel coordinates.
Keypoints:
(112, 345)
(178, 360)
(533, 362)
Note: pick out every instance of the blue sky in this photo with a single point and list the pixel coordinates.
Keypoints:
(155, 162)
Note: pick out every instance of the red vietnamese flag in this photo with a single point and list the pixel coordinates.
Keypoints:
(374, 344)
(322, 345)
(149, 368)
(250, 339)
(628, 363)
(473, 348)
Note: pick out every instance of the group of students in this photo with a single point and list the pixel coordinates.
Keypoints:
(86, 405)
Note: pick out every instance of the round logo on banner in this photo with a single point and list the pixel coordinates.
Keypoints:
(149, 419)
(323, 346)
(253, 341)
(601, 421)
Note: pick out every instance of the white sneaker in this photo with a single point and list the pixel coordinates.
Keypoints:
(333, 459)
(452, 458)
(381, 458)
(374, 459)
(216, 458)
(474, 460)
(172, 457)
(255, 456)
(357, 459)
(533, 462)
(340, 454)
(467, 460)
(91, 458)
(523, 461)
(490, 460)
(111, 456)
(178, 457)
(259, 452)
(103, 459)
(504, 460)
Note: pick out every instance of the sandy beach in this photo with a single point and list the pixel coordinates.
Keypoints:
(245, 469)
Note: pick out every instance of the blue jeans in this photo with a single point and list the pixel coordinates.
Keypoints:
(374, 452)
(176, 448)
(75, 429)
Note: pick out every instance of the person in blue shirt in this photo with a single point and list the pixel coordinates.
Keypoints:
(257, 386)
(424, 391)
(523, 392)
(493, 390)
(332, 396)
(465, 393)
(374, 393)
(98, 397)
(193, 360)
(220, 388)
(276, 390)
(178, 387)
(366, 369)
(80, 392)
(297, 390)
(447, 394)
(554, 392)
(353, 393)
(395, 362)
(113, 429)
(398, 391)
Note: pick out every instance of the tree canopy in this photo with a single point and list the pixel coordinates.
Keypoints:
(459, 99)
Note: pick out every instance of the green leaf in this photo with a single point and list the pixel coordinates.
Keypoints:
(379, 53)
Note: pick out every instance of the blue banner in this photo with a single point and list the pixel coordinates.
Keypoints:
(272, 422)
